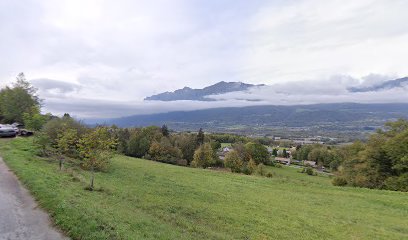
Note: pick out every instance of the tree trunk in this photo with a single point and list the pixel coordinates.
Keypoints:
(61, 163)
(91, 187)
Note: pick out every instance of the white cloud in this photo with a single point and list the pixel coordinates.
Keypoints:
(121, 51)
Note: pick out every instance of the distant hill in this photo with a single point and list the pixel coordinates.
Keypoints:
(330, 117)
(201, 94)
(383, 86)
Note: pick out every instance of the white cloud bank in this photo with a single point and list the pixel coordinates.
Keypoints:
(114, 53)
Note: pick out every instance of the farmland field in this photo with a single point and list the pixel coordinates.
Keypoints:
(140, 199)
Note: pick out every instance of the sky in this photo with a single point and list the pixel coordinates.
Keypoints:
(96, 58)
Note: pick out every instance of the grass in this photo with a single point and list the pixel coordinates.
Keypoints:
(139, 199)
(223, 145)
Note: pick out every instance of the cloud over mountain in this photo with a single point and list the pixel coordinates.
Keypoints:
(120, 52)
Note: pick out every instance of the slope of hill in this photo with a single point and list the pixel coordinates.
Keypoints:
(383, 86)
(201, 94)
(140, 199)
(341, 117)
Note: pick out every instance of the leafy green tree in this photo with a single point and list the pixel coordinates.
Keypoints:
(275, 152)
(67, 142)
(233, 161)
(165, 130)
(43, 142)
(258, 153)
(284, 153)
(252, 166)
(34, 121)
(242, 152)
(204, 156)
(123, 136)
(138, 145)
(164, 152)
(382, 162)
(96, 149)
(215, 145)
(66, 145)
(19, 99)
(200, 137)
(187, 144)
(56, 126)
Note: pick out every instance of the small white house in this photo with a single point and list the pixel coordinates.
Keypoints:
(226, 149)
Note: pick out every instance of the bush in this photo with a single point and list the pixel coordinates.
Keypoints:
(269, 175)
(233, 161)
(397, 183)
(278, 165)
(261, 169)
(57, 126)
(164, 152)
(182, 162)
(43, 142)
(339, 181)
(246, 171)
(309, 171)
(252, 167)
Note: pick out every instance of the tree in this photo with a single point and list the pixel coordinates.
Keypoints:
(17, 100)
(123, 136)
(242, 152)
(67, 143)
(275, 152)
(187, 144)
(96, 149)
(257, 152)
(200, 137)
(34, 121)
(138, 145)
(57, 126)
(380, 163)
(252, 166)
(164, 152)
(284, 153)
(165, 130)
(233, 161)
(204, 156)
(43, 142)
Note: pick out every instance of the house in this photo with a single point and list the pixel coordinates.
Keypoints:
(226, 149)
(283, 160)
(221, 154)
(310, 163)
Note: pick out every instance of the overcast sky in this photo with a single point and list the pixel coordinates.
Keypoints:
(96, 58)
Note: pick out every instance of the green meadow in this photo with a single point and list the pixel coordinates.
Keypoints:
(141, 199)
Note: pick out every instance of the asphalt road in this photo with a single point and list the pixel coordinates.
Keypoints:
(20, 218)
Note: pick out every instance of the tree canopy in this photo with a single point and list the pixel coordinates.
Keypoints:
(18, 100)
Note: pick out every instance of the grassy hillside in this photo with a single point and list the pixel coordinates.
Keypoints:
(142, 199)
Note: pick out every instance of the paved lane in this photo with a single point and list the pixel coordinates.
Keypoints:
(20, 219)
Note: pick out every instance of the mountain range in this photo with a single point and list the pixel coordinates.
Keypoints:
(205, 94)
(401, 82)
(187, 93)
(339, 117)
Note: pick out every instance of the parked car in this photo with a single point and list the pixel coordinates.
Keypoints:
(7, 131)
